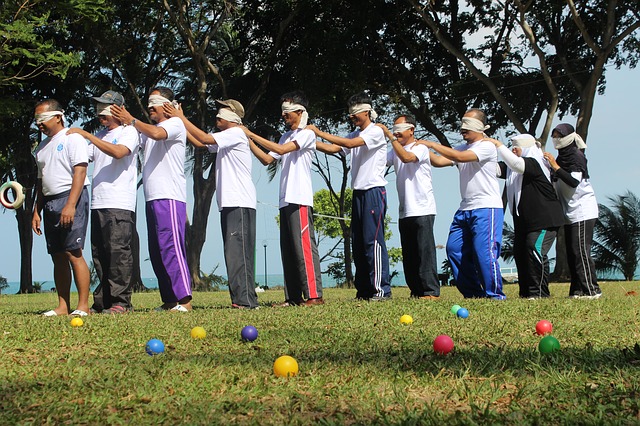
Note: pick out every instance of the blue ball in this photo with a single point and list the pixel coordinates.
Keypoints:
(249, 333)
(154, 347)
(462, 313)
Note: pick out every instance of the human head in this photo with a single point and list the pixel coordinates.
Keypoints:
(474, 123)
(404, 127)
(562, 130)
(49, 116)
(230, 113)
(361, 111)
(294, 109)
(520, 144)
(103, 108)
(157, 97)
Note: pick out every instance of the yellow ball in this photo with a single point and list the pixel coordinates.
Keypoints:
(77, 322)
(198, 333)
(285, 366)
(406, 319)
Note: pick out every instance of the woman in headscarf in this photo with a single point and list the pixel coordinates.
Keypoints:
(536, 211)
(571, 180)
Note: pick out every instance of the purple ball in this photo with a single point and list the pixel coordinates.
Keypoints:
(249, 333)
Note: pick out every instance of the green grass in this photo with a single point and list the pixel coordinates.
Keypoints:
(358, 364)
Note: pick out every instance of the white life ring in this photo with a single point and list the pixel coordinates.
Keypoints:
(4, 190)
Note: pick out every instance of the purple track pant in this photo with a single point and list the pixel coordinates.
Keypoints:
(166, 221)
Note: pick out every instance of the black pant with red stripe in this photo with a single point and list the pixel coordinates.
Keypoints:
(299, 251)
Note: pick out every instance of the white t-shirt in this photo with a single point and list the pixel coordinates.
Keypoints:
(234, 187)
(56, 156)
(115, 180)
(163, 172)
(368, 161)
(479, 186)
(295, 176)
(579, 203)
(413, 181)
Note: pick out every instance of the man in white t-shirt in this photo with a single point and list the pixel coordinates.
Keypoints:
(475, 236)
(299, 251)
(113, 152)
(368, 148)
(412, 163)
(62, 192)
(165, 193)
(235, 194)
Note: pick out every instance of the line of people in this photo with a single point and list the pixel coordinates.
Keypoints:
(475, 237)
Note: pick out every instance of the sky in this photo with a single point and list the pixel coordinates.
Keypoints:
(612, 154)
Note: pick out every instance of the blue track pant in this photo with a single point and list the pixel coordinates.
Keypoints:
(473, 249)
(368, 210)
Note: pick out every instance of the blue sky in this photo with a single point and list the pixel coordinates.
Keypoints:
(612, 153)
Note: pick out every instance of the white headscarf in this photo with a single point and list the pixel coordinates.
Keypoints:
(227, 114)
(401, 127)
(291, 107)
(103, 109)
(473, 124)
(530, 149)
(565, 141)
(48, 115)
(358, 108)
(157, 100)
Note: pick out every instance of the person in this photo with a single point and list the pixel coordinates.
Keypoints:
(61, 191)
(412, 163)
(235, 194)
(165, 193)
(113, 205)
(475, 236)
(298, 248)
(368, 149)
(536, 211)
(571, 180)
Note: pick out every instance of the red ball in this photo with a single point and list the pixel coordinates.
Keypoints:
(543, 327)
(443, 344)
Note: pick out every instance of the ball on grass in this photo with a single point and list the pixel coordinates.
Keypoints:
(285, 366)
(443, 344)
(543, 327)
(454, 309)
(548, 344)
(462, 313)
(249, 333)
(198, 333)
(77, 322)
(154, 347)
(406, 319)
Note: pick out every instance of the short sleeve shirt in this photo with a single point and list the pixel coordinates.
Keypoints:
(295, 176)
(479, 186)
(413, 181)
(56, 157)
(163, 171)
(368, 161)
(115, 180)
(234, 187)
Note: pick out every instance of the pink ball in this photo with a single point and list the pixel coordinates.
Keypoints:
(543, 327)
(443, 344)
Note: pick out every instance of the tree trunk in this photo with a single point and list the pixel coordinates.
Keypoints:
(348, 272)
(203, 190)
(25, 234)
(136, 279)
(561, 270)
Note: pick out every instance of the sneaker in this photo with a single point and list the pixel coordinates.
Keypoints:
(586, 296)
(116, 309)
(380, 298)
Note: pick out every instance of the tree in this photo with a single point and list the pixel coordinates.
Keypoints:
(3, 283)
(616, 246)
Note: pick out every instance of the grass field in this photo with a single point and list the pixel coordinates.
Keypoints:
(358, 364)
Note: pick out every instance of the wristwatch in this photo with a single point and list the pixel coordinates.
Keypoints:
(133, 122)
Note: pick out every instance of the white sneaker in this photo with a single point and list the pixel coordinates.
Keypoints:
(586, 296)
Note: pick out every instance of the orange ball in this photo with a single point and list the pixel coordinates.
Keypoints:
(285, 366)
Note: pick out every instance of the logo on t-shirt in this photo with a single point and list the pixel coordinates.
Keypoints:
(59, 147)
(115, 141)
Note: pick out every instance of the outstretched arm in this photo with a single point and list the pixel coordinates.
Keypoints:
(338, 140)
(270, 145)
(262, 156)
(328, 148)
(154, 132)
(467, 156)
(113, 150)
(198, 134)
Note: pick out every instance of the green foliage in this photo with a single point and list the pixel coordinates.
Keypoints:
(616, 246)
(347, 351)
(329, 210)
(3, 283)
(211, 281)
